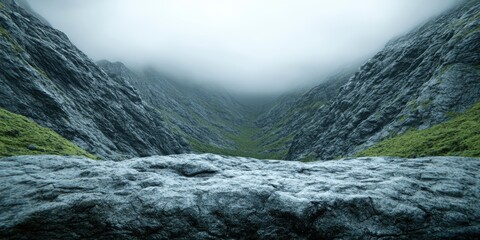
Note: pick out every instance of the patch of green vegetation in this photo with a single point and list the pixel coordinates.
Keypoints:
(282, 142)
(21, 136)
(272, 144)
(204, 123)
(461, 23)
(247, 144)
(459, 136)
(308, 159)
(249, 140)
(4, 32)
(207, 148)
(312, 106)
(411, 103)
(377, 115)
(426, 103)
(470, 32)
(14, 44)
(445, 69)
(317, 105)
(452, 114)
(17, 48)
(247, 137)
(40, 71)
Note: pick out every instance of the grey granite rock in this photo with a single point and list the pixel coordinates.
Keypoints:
(46, 78)
(213, 197)
(203, 115)
(417, 81)
(291, 113)
(25, 5)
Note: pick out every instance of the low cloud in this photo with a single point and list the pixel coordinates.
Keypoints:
(259, 46)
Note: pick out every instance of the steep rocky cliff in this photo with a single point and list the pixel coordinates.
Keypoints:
(46, 78)
(213, 121)
(416, 82)
(213, 197)
(292, 112)
(203, 116)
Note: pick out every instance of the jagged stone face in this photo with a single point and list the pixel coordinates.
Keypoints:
(207, 116)
(414, 83)
(292, 113)
(213, 197)
(46, 78)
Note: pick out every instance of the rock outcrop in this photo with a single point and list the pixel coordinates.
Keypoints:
(46, 78)
(417, 81)
(282, 121)
(213, 197)
(202, 116)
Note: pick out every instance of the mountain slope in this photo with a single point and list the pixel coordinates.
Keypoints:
(21, 136)
(457, 137)
(206, 118)
(283, 120)
(212, 121)
(416, 82)
(46, 78)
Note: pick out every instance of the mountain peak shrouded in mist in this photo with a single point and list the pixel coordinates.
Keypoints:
(417, 101)
(248, 46)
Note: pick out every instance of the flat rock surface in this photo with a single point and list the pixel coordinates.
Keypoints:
(214, 197)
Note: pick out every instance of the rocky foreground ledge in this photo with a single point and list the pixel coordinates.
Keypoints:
(213, 197)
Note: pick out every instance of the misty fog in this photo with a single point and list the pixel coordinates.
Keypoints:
(256, 46)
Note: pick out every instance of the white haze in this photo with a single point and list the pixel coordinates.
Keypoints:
(256, 46)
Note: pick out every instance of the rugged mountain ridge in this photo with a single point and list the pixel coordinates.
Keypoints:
(202, 116)
(208, 196)
(213, 121)
(46, 78)
(417, 81)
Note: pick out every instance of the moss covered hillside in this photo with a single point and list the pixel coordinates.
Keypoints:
(21, 136)
(459, 136)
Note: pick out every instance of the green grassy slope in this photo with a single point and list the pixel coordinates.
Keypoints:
(21, 136)
(459, 136)
(248, 140)
(253, 141)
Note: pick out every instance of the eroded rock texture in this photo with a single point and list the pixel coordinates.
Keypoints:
(417, 81)
(213, 197)
(200, 114)
(46, 78)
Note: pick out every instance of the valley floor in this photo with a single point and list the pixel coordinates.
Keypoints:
(250, 141)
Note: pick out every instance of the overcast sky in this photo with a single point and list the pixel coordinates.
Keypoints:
(244, 45)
